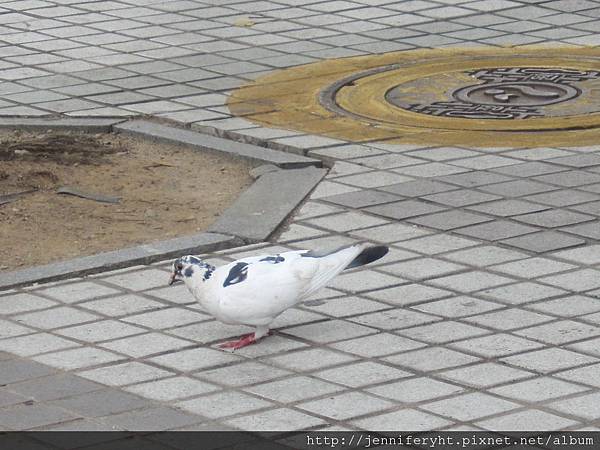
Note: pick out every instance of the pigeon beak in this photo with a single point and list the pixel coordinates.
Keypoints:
(172, 279)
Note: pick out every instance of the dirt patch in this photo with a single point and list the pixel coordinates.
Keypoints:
(163, 191)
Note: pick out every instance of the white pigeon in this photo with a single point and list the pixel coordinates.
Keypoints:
(255, 290)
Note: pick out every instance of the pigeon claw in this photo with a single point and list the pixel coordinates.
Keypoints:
(244, 341)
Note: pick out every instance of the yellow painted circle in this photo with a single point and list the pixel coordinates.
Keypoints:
(358, 110)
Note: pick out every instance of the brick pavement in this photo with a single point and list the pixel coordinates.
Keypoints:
(484, 315)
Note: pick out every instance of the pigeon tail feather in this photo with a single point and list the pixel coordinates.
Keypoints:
(368, 255)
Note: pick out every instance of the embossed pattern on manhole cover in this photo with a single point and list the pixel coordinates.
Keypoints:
(505, 93)
(468, 97)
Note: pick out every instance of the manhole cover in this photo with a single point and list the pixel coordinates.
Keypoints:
(502, 97)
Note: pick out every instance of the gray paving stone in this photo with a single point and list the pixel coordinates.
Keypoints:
(475, 179)
(54, 387)
(469, 407)
(409, 419)
(418, 188)
(345, 306)
(585, 255)
(574, 305)
(55, 318)
(157, 418)
(496, 345)
(78, 358)
(167, 318)
(470, 281)
(549, 360)
(439, 243)
(577, 281)
(559, 333)
(509, 207)
(460, 197)
(407, 294)
(570, 178)
(509, 319)
(585, 406)
(592, 208)
(281, 419)
(430, 170)
(554, 218)
(8, 398)
(346, 221)
(538, 389)
(34, 344)
(16, 370)
(377, 345)
(172, 388)
(529, 169)
(195, 359)
(145, 344)
(100, 331)
(76, 292)
(10, 329)
(533, 267)
(23, 302)
(100, 403)
(587, 375)
(242, 374)
(332, 330)
(421, 268)
(361, 199)
(24, 417)
(123, 305)
(442, 332)
(579, 161)
(563, 198)
(223, 404)
(394, 319)
(431, 358)
(404, 209)
(544, 241)
(310, 359)
(392, 232)
(517, 188)
(137, 280)
(496, 230)
(294, 389)
(346, 405)
(126, 373)
(415, 390)
(484, 374)
(485, 255)
(457, 306)
(531, 420)
(524, 292)
(449, 220)
(361, 374)
(368, 281)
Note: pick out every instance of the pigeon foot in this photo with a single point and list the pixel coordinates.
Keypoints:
(245, 340)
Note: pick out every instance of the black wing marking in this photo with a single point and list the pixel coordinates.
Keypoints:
(237, 274)
(273, 259)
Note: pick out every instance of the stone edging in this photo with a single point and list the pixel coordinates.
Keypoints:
(253, 217)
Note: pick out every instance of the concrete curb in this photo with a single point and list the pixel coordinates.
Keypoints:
(141, 254)
(61, 123)
(260, 209)
(253, 217)
(151, 130)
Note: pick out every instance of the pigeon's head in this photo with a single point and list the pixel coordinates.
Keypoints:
(187, 266)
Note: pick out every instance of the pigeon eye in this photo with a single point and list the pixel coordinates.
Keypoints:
(179, 266)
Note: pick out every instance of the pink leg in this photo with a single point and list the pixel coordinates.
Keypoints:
(244, 340)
